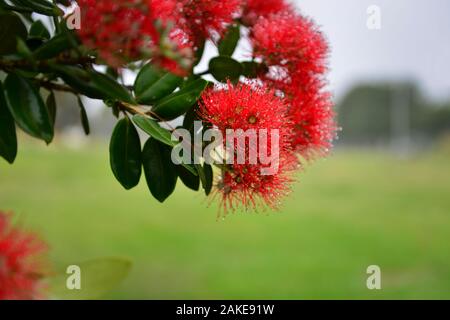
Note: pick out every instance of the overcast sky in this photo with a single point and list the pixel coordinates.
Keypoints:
(413, 42)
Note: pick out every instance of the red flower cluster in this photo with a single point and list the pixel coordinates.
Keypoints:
(295, 53)
(201, 19)
(128, 30)
(120, 30)
(252, 109)
(21, 269)
(255, 9)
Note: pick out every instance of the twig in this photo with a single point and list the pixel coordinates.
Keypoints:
(12, 64)
(55, 86)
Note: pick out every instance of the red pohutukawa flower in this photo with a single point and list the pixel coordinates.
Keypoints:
(292, 45)
(254, 9)
(128, 30)
(21, 267)
(259, 112)
(204, 18)
(295, 53)
(120, 30)
(314, 121)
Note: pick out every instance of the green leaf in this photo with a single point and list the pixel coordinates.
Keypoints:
(112, 72)
(225, 68)
(152, 128)
(199, 52)
(178, 103)
(25, 11)
(252, 69)
(110, 87)
(34, 43)
(98, 277)
(125, 154)
(24, 51)
(8, 138)
(78, 79)
(92, 83)
(190, 117)
(27, 108)
(11, 28)
(160, 172)
(51, 107)
(205, 173)
(52, 47)
(84, 117)
(38, 30)
(230, 40)
(153, 84)
(209, 175)
(190, 180)
(39, 6)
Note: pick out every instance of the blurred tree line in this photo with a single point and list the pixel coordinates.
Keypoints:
(381, 114)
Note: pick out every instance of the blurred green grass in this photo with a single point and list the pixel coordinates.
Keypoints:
(350, 211)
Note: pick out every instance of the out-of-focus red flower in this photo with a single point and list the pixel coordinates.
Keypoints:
(119, 30)
(204, 18)
(248, 107)
(21, 267)
(127, 30)
(295, 53)
(254, 9)
(313, 116)
(291, 46)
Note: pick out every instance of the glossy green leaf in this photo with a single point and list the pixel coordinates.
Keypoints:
(27, 108)
(97, 277)
(190, 117)
(160, 172)
(125, 154)
(11, 28)
(78, 79)
(24, 51)
(34, 43)
(39, 6)
(178, 103)
(190, 180)
(92, 83)
(39, 30)
(25, 11)
(225, 68)
(8, 138)
(152, 128)
(198, 55)
(252, 69)
(228, 43)
(153, 84)
(84, 117)
(209, 175)
(52, 47)
(205, 173)
(51, 107)
(110, 87)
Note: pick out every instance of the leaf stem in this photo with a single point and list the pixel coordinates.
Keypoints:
(203, 73)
